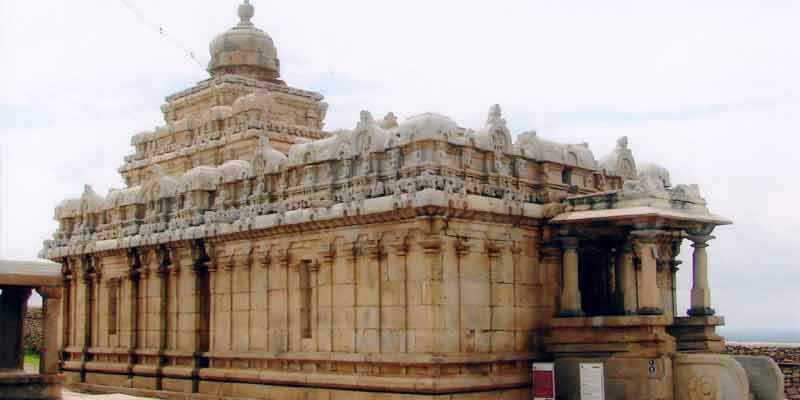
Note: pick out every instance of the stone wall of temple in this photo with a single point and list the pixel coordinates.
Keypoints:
(787, 357)
(363, 299)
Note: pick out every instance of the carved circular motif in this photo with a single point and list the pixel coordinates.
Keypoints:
(702, 387)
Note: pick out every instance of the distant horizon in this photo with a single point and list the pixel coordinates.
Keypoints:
(760, 335)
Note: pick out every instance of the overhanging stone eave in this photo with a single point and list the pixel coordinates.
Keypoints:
(427, 202)
(611, 215)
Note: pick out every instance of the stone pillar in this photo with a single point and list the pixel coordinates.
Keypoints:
(51, 297)
(647, 250)
(551, 262)
(162, 285)
(325, 293)
(570, 291)
(86, 340)
(395, 298)
(701, 293)
(176, 298)
(143, 293)
(626, 281)
(213, 302)
(240, 300)
(314, 268)
(66, 315)
(13, 306)
(132, 284)
(285, 334)
(95, 309)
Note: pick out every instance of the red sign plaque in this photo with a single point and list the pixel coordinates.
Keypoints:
(544, 383)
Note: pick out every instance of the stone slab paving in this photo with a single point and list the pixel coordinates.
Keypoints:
(83, 396)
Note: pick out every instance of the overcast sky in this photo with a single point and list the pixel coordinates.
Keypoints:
(707, 89)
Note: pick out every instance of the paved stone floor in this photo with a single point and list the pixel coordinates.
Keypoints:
(81, 396)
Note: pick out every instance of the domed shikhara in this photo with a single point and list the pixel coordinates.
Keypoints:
(245, 50)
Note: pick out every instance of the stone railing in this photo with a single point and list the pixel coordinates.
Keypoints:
(33, 329)
(787, 357)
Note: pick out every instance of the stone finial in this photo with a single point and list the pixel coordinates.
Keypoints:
(389, 121)
(366, 117)
(495, 114)
(246, 12)
(365, 120)
(622, 143)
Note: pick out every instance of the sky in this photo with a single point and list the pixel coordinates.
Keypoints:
(707, 89)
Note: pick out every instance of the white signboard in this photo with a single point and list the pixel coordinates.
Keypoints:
(591, 375)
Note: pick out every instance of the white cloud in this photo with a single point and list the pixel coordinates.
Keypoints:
(708, 90)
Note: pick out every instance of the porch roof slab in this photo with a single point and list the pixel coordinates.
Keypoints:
(30, 273)
(638, 213)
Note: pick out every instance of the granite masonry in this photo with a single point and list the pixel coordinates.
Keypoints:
(253, 254)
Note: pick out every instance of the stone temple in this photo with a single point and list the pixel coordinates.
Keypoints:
(255, 255)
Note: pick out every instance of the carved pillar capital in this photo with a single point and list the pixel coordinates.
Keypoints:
(550, 252)
(463, 246)
(494, 248)
(431, 245)
(263, 257)
(282, 256)
(313, 266)
(211, 266)
(699, 241)
(516, 248)
(371, 248)
(326, 254)
(569, 242)
(625, 246)
(648, 236)
(346, 250)
(399, 246)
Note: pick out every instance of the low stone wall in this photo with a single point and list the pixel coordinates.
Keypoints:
(33, 329)
(787, 357)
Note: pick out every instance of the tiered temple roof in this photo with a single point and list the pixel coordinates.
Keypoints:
(242, 148)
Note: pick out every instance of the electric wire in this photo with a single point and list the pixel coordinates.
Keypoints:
(162, 32)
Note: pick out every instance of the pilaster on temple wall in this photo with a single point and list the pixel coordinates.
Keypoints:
(389, 289)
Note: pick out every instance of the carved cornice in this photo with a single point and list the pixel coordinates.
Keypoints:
(463, 246)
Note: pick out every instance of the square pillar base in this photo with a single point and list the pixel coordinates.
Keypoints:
(698, 334)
